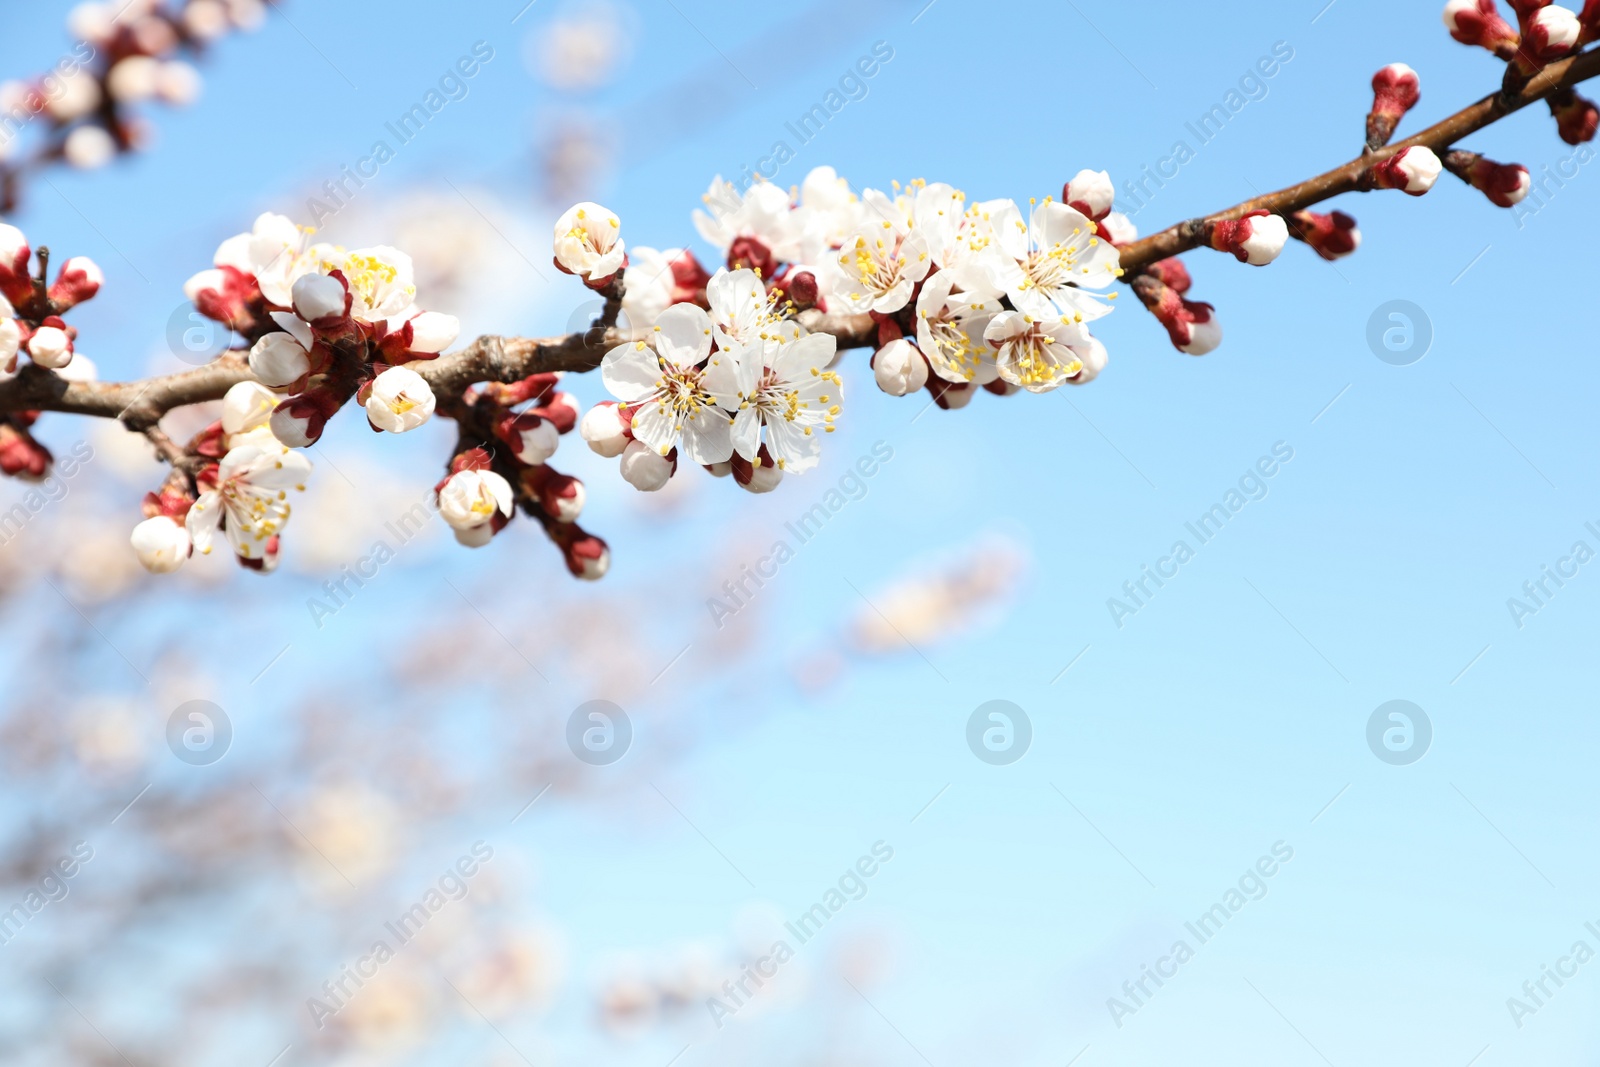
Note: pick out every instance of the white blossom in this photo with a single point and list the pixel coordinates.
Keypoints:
(471, 498)
(1038, 354)
(673, 393)
(587, 241)
(785, 386)
(161, 544)
(1049, 262)
(646, 470)
(950, 328)
(899, 368)
(602, 428)
(400, 400)
(250, 502)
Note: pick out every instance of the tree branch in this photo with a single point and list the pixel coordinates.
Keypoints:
(1137, 255)
(140, 405)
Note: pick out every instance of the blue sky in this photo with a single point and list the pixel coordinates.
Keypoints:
(1225, 716)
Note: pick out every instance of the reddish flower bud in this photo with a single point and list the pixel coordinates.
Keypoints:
(561, 409)
(1547, 34)
(299, 421)
(1257, 238)
(1411, 170)
(1090, 193)
(803, 290)
(533, 439)
(1576, 116)
(20, 455)
(1396, 90)
(79, 280)
(1192, 326)
(1330, 236)
(14, 255)
(1505, 184)
(587, 556)
(1478, 22)
(561, 496)
(748, 253)
(1172, 273)
(689, 279)
(1590, 21)
(760, 476)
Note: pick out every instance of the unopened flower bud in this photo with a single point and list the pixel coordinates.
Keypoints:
(400, 400)
(760, 475)
(1090, 193)
(50, 347)
(1257, 238)
(1412, 170)
(1505, 184)
(1192, 326)
(1173, 273)
(279, 360)
(1576, 116)
(78, 280)
(433, 332)
(587, 556)
(560, 495)
(1205, 332)
(20, 455)
(1549, 34)
(133, 79)
(803, 290)
(646, 469)
(900, 368)
(320, 298)
(14, 255)
(1118, 228)
(603, 429)
(299, 421)
(1590, 21)
(561, 409)
(89, 148)
(532, 439)
(161, 544)
(1478, 23)
(1330, 236)
(1396, 90)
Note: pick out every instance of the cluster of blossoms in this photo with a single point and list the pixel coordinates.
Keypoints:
(508, 433)
(721, 368)
(325, 325)
(31, 325)
(128, 53)
(238, 482)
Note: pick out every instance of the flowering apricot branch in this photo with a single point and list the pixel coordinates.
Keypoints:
(734, 370)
